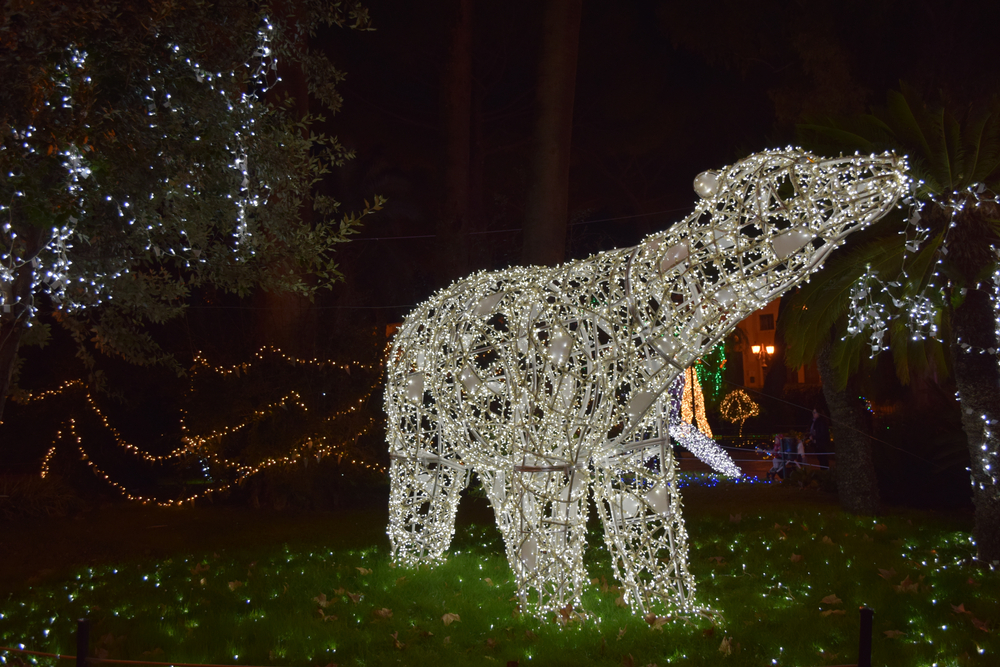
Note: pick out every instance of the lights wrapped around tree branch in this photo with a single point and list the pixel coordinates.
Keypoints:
(550, 382)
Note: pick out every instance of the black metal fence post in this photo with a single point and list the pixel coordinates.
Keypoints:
(865, 638)
(82, 641)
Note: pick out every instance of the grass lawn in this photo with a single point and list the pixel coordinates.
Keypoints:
(784, 569)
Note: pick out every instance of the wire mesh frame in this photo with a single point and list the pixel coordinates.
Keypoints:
(537, 377)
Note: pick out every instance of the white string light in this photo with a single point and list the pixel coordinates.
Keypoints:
(550, 382)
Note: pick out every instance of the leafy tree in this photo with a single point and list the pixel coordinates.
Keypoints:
(146, 151)
(928, 275)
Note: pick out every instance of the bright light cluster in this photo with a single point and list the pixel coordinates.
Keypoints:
(917, 303)
(552, 382)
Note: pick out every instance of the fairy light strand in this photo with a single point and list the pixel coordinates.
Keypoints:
(316, 445)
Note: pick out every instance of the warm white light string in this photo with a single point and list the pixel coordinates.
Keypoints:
(549, 382)
(314, 446)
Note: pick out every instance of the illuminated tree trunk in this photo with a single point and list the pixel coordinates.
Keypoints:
(15, 323)
(977, 378)
(857, 487)
(547, 205)
(453, 225)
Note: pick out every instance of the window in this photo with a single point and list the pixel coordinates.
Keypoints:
(767, 322)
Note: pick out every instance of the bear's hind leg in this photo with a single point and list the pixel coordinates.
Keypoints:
(543, 518)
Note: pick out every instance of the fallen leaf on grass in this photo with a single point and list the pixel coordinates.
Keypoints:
(708, 632)
(827, 540)
(395, 640)
(620, 601)
(726, 647)
(199, 568)
(325, 616)
(322, 601)
(622, 631)
(980, 624)
(566, 612)
(491, 643)
(489, 582)
(233, 585)
(529, 634)
(356, 597)
(893, 634)
(656, 622)
(383, 613)
(628, 660)
(907, 586)
(719, 560)
(448, 619)
(735, 518)
(400, 580)
(363, 570)
(834, 612)
(831, 599)
(887, 574)
(796, 558)
(880, 528)
(960, 609)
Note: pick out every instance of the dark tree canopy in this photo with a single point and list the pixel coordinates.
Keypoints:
(147, 150)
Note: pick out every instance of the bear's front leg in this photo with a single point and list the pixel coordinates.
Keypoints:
(640, 506)
(423, 500)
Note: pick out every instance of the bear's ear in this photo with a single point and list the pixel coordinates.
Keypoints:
(706, 184)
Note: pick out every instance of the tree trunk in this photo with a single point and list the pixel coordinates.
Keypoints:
(14, 323)
(547, 204)
(857, 487)
(977, 378)
(777, 375)
(453, 225)
(285, 319)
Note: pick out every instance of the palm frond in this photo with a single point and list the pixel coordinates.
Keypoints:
(983, 131)
(819, 304)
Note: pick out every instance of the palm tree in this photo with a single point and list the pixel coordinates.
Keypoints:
(924, 283)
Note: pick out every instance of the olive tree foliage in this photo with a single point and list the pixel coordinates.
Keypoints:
(146, 150)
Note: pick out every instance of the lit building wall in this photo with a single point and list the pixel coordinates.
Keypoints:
(756, 344)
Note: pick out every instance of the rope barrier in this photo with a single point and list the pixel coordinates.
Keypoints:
(843, 425)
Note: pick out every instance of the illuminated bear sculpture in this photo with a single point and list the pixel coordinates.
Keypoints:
(552, 382)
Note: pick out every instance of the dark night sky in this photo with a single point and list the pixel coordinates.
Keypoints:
(664, 90)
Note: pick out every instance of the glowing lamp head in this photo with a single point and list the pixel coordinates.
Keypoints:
(769, 349)
(755, 349)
